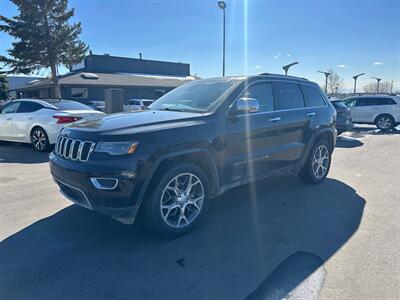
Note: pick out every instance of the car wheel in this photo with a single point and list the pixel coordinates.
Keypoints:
(178, 201)
(384, 122)
(318, 163)
(339, 132)
(39, 140)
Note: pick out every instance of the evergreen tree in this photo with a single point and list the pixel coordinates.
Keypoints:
(44, 38)
(3, 87)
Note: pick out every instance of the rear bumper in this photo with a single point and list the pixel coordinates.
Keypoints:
(75, 184)
(344, 124)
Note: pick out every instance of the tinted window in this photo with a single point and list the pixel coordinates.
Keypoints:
(134, 102)
(312, 96)
(366, 102)
(70, 105)
(350, 102)
(338, 104)
(10, 108)
(385, 101)
(147, 102)
(27, 107)
(263, 93)
(289, 96)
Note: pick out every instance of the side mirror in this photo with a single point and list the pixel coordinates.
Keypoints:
(247, 105)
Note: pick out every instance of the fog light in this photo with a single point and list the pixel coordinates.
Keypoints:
(104, 183)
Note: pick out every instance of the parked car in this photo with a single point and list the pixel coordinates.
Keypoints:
(343, 119)
(97, 105)
(39, 122)
(381, 110)
(137, 104)
(193, 144)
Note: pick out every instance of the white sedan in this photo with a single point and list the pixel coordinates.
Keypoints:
(39, 122)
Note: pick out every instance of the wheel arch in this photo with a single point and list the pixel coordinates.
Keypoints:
(202, 158)
(384, 114)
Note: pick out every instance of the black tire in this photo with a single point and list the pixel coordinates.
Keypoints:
(384, 122)
(152, 213)
(339, 132)
(39, 140)
(308, 172)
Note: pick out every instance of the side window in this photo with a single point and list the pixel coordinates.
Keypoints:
(350, 102)
(27, 107)
(79, 93)
(385, 101)
(134, 102)
(10, 108)
(366, 102)
(312, 96)
(289, 96)
(263, 93)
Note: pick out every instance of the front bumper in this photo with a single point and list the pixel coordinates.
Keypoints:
(74, 181)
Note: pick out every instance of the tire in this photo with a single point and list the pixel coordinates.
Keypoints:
(384, 122)
(179, 213)
(39, 140)
(339, 132)
(318, 163)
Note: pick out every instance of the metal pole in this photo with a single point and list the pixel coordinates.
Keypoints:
(326, 84)
(377, 88)
(223, 46)
(355, 85)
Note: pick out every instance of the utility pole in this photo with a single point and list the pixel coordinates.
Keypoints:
(327, 74)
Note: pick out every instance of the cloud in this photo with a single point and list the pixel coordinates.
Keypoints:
(378, 63)
(277, 55)
(258, 67)
(288, 55)
(341, 66)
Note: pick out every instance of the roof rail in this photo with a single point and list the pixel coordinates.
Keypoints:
(284, 76)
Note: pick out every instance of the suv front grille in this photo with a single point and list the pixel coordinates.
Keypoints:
(73, 149)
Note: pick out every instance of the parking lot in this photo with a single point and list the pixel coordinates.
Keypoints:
(274, 239)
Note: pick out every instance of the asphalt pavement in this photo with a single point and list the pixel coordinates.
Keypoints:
(275, 239)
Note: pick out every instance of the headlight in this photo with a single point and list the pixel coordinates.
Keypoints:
(117, 148)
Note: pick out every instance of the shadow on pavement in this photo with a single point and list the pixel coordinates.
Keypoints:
(361, 131)
(21, 153)
(348, 142)
(253, 239)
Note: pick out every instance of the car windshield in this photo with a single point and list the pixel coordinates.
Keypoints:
(195, 96)
(71, 105)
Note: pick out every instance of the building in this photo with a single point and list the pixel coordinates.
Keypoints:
(18, 82)
(98, 75)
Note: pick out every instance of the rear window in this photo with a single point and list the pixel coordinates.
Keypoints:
(312, 96)
(147, 102)
(71, 105)
(338, 104)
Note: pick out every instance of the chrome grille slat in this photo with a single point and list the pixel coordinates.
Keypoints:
(66, 147)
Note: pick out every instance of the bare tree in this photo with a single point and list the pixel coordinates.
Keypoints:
(335, 83)
(385, 87)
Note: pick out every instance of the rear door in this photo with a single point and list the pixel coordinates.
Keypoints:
(7, 115)
(291, 124)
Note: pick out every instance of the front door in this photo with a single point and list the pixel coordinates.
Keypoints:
(8, 112)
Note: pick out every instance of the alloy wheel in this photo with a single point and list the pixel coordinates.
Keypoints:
(39, 140)
(320, 161)
(182, 200)
(384, 123)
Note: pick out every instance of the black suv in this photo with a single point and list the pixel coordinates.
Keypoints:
(192, 144)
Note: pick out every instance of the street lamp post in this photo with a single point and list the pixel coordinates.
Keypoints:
(222, 5)
(286, 68)
(327, 74)
(355, 81)
(378, 80)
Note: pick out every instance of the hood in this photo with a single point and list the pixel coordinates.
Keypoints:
(133, 122)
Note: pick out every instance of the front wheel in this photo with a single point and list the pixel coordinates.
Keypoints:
(318, 163)
(39, 140)
(178, 201)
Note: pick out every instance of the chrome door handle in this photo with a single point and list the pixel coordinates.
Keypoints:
(8, 119)
(276, 119)
(311, 114)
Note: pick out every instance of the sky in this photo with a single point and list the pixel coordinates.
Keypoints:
(351, 36)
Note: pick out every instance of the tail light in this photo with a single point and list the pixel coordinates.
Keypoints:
(65, 119)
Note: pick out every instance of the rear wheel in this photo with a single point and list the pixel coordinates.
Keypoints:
(178, 201)
(39, 140)
(318, 163)
(384, 122)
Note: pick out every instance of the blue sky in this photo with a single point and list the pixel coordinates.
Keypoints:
(349, 36)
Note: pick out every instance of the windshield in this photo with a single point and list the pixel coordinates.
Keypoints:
(71, 105)
(198, 95)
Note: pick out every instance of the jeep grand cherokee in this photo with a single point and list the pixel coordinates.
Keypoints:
(194, 143)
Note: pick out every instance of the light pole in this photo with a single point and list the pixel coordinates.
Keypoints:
(222, 5)
(327, 74)
(286, 68)
(355, 81)
(378, 80)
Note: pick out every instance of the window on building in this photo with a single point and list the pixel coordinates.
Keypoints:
(159, 93)
(289, 96)
(312, 96)
(263, 93)
(79, 93)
